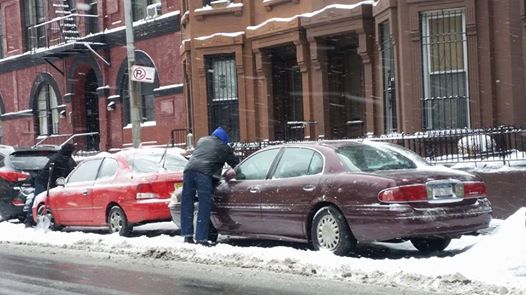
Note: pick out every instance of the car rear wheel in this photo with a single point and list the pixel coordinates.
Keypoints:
(49, 213)
(118, 222)
(330, 231)
(427, 245)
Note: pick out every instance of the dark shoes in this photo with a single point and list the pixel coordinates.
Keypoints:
(190, 240)
(205, 243)
(29, 222)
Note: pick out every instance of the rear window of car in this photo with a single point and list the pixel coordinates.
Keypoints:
(150, 161)
(29, 161)
(372, 158)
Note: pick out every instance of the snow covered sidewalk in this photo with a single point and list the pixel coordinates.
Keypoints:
(494, 263)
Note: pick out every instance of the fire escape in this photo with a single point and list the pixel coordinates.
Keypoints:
(68, 33)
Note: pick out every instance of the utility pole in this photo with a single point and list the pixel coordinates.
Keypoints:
(134, 87)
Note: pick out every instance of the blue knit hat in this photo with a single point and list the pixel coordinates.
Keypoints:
(221, 134)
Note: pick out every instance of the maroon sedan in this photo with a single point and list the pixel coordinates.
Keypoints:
(337, 194)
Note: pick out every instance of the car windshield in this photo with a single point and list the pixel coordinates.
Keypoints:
(154, 160)
(362, 157)
(29, 161)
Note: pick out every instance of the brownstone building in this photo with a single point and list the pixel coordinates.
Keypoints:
(63, 71)
(267, 69)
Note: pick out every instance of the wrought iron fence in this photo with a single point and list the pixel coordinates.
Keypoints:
(504, 144)
(500, 144)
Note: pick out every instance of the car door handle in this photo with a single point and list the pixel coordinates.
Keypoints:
(309, 188)
(254, 189)
(85, 193)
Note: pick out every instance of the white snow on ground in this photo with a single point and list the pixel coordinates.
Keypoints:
(493, 263)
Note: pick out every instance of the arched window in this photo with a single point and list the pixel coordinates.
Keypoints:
(147, 98)
(46, 110)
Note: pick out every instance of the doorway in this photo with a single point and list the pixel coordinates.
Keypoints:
(287, 94)
(92, 111)
(345, 90)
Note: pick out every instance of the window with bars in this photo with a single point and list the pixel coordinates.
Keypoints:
(47, 110)
(444, 54)
(221, 76)
(389, 77)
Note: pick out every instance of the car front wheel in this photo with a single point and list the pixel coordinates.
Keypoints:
(118, 222)
(427, 245)
(330, 231)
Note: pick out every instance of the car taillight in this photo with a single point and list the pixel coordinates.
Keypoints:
(406, 193)
(14, 176)
(18, 202)
(474, 189)
(145, 191)
(155, 190)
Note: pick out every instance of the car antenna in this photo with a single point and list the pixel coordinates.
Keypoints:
(162, 160)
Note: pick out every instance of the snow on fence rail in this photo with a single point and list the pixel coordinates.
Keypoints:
(504, 144)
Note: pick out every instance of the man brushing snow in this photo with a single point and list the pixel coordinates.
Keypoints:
(204, 165)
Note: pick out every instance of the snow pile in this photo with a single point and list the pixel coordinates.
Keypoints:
(493, 263)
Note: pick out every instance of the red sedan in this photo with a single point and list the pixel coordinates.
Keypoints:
(119, 190)
(338, 194)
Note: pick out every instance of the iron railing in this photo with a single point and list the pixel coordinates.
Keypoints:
(504, 144)
(60, 30)
(81, 140)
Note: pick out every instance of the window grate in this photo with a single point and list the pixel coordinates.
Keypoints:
(444, 55)
(389, 78)
(221, 77)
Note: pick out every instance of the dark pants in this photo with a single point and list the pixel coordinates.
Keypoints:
(202, 184)
(39, 187)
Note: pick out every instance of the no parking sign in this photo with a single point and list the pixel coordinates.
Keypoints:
(143, 74)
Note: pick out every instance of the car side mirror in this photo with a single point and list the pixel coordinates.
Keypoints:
(230, 175)
(61, 181)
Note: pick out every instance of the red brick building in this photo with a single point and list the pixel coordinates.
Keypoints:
(63, 71)
(267, 69)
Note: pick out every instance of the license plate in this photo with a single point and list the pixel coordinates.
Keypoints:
(443, 191)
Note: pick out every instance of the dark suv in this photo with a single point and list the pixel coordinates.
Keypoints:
(16, 178)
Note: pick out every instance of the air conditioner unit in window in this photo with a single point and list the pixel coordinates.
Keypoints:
(153, 10)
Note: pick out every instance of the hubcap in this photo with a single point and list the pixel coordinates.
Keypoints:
(328, 232)
(115, 222)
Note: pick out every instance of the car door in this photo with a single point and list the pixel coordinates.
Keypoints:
(72, 205)
(238, 201)
(286, 200)
(106, 189)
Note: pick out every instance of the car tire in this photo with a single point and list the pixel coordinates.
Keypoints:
(329, 230)
(118, 222)
(427, 245)
(52, 226)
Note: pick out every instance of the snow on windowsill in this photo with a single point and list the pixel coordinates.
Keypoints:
(232, 8)
(143, 124)
(166, 87)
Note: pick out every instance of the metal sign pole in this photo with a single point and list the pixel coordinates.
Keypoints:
(134, 87)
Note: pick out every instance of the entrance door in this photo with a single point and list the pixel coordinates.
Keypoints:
(346, 105)
(287, 94)
(92, 110)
